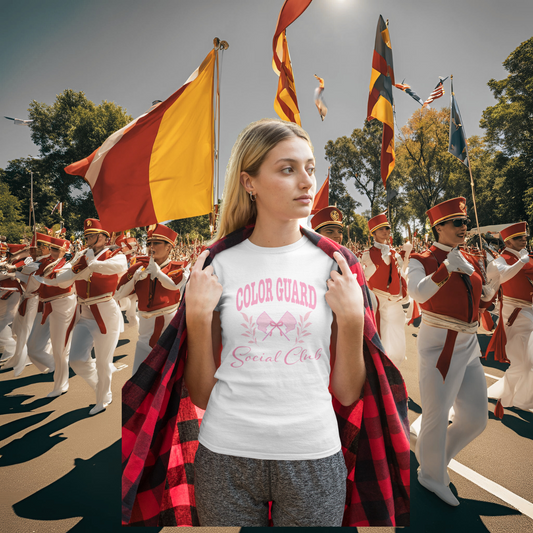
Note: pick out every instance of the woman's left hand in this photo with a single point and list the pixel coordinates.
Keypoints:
(344, 294)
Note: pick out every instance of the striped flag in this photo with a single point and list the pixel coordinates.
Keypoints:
(407, 89)
(437, 92)
(286, 102)
(380, 99)
(160, 166)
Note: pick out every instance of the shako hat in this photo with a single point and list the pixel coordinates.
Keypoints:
(514, 230)
(92, 226)
(160, 232)
(16, 248)
(328, 216)
(454, 208)
(42, 238)
(377, 222)
(59, 244)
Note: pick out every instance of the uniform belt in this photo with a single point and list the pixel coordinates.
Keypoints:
(454, 326)
(159, 312)
(388, 295)
(57, 297)
(100, 299)
(517, 302)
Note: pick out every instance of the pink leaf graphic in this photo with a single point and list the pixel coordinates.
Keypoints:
(307, 316)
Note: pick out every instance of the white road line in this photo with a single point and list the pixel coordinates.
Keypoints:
(491, 376)
(525, 507)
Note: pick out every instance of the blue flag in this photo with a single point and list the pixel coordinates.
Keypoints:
(457, 145)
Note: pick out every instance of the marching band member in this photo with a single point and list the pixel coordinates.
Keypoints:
(10, 292)
(96, 272)
(156, 280)
(328, 222)
(515, 269)
(448, 285)
(385, 274)
(56, 309)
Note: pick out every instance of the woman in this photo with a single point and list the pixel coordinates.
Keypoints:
(267, 319)
(268, 408)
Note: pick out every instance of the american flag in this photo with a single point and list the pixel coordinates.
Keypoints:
(437, 92)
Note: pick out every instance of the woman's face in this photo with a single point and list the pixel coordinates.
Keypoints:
(285, 185)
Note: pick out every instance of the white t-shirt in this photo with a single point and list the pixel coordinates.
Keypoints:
(271, 400)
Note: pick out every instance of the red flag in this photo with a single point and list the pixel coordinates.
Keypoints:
(160, 166)
(321, 197)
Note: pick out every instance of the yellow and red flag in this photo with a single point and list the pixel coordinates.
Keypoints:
(286, 102)
(160, 166)
(380, 99)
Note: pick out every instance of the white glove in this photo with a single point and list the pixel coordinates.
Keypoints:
(524, 256)
(139, 274)
(489, 290)
(90, 257)
(456, 262)
(407, 247)
(152, 269)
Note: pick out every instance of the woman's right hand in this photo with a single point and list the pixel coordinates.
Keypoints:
(203, 290)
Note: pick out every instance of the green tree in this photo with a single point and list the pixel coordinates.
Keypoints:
(358, 158)
(509, 133)
(69, 130)
(11, 222)
(194, 227)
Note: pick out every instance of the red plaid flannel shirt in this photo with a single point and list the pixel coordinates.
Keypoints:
(160, 428)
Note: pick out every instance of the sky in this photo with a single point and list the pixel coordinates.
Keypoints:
(132, 52)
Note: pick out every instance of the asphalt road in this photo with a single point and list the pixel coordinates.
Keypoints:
(60, 468)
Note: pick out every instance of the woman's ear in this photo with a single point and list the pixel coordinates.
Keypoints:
(246, 182)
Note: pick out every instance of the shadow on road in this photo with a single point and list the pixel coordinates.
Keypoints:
(40, 440)
(12, 428)
(413, 406)
(429, 513)
(91, 490)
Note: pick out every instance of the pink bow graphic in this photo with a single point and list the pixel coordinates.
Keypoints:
(287, 321)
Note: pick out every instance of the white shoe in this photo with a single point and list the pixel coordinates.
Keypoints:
(442, 491)
(98, 408)
(56, 393)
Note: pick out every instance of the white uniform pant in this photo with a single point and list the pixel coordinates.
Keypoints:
(392, 329)
(515, 388)
(8, 308)
(39, 347)
(146, 330)
(97, 372)
(57, 323)
(464, 388)
(22, 326)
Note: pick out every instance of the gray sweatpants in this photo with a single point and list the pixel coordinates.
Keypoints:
(236, 491)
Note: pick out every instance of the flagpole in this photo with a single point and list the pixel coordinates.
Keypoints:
(471, 182)
(219, 45)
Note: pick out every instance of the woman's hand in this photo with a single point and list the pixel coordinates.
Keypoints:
(344, 294)
(203, 290)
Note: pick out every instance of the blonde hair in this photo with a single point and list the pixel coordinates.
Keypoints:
(247, 155)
